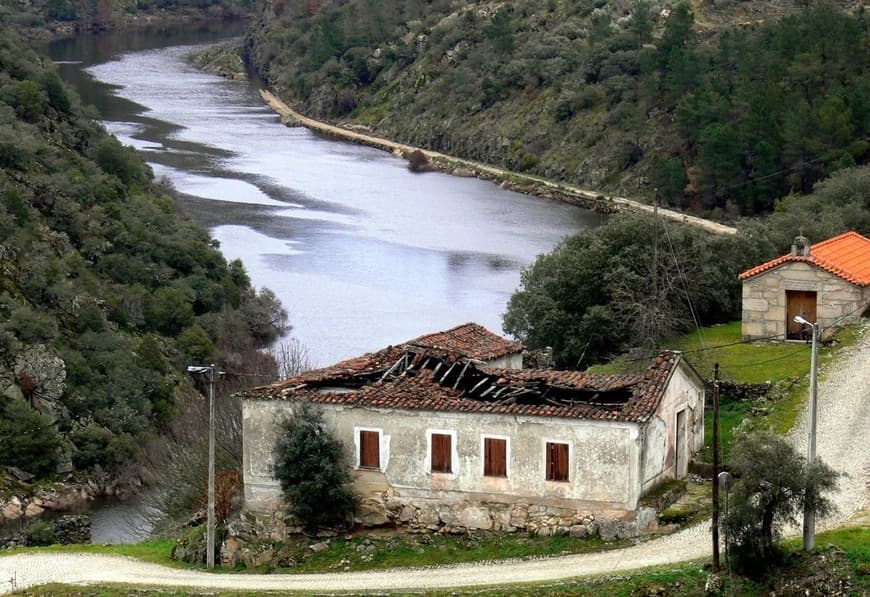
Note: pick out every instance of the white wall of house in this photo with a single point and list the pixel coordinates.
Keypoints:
(661, 451)
(508, 361)
(604, 457)
(764, 298)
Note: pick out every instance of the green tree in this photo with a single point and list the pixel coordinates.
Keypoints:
(311, 466)
(500, 31)
(28, 439)
(774, 485)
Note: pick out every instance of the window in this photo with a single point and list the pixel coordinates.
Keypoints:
(441, 449)
(494, 457)
(369, 449)
(557, 462)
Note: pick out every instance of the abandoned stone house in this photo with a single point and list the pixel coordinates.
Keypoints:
(826, 283)
(439, 438)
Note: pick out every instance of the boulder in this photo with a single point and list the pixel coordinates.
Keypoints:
(371, 512)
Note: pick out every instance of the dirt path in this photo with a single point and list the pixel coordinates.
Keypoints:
(290, 116)
(843, 418)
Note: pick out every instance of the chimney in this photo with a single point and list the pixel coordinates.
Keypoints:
(800, 247)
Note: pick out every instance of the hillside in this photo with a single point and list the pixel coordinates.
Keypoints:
(106, 292)
(720, 107)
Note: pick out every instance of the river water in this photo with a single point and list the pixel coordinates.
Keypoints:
(361, 252)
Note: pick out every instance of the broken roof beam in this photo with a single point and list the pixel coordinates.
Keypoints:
(395, 366)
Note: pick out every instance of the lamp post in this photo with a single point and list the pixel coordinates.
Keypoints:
(809, 515)
(210, 524)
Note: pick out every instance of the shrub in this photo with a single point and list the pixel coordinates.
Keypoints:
(417, 161)
(310, 465)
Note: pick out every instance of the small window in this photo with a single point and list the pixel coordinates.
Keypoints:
(494, 457)
(441, 453)
(369, 449)
(557, 462)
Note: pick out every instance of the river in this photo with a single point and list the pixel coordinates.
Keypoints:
(361, 252)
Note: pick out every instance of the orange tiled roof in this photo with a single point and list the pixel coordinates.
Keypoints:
(470, 340)
(846, 255)
(424, 389)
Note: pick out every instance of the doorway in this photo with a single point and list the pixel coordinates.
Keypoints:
(803, 303)
(682, 469)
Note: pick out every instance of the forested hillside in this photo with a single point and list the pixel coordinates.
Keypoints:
(65, 16)
(717, 107)
(106, 293)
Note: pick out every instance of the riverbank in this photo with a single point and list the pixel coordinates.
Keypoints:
(522, 183)
(22, 500)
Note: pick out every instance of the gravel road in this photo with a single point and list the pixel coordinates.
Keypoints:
(842, 441)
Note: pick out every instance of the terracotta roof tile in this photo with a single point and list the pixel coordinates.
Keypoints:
(846, 256)
(421, 390)
(471, 340)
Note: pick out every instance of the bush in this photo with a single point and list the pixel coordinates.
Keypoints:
(417, 161)
(310, 465)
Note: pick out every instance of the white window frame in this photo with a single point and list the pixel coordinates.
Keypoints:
(383, 448)
(454, 452)
(571, 473)
(507, 454)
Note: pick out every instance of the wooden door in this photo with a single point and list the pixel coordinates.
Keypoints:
(680, 446)
(803, 303)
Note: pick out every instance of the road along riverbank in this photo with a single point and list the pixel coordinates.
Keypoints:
(522, 183)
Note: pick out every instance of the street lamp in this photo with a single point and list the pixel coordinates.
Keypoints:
(210, 524)
(809, 514)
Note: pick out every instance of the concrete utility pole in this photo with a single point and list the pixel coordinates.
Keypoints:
(809, 515)
(716, 468)
(210, 524)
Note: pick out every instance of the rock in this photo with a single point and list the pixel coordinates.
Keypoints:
(372, 512)
(18, 473)
(578, 531)
(33, 509)
(319, 547)
(713, 585)
(231, 553)
(469, 517)
(13, 509)
(427, 515)
(73, 529)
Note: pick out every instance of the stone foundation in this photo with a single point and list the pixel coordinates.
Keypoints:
(421, 515)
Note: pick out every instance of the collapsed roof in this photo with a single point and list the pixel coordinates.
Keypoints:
(414, 377)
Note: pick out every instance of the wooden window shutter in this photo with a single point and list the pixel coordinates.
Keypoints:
(494, 457)
(557, 462)
(441, 453)
(369, 449)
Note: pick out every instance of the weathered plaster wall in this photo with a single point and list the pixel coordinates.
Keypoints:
(509, 361)
(603, 457)
(764, 299)
(684, 392)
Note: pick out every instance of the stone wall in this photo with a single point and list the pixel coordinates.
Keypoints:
(764, 298)
(256, 533)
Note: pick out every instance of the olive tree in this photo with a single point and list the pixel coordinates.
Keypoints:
(774, 484)
(311, 466)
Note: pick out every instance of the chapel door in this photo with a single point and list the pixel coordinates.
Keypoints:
(803, 303)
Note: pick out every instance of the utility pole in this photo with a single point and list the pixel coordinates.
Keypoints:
(210, 524)
(809, 514)
(716, 468)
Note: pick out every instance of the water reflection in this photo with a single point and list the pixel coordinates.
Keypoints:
(361, 252)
